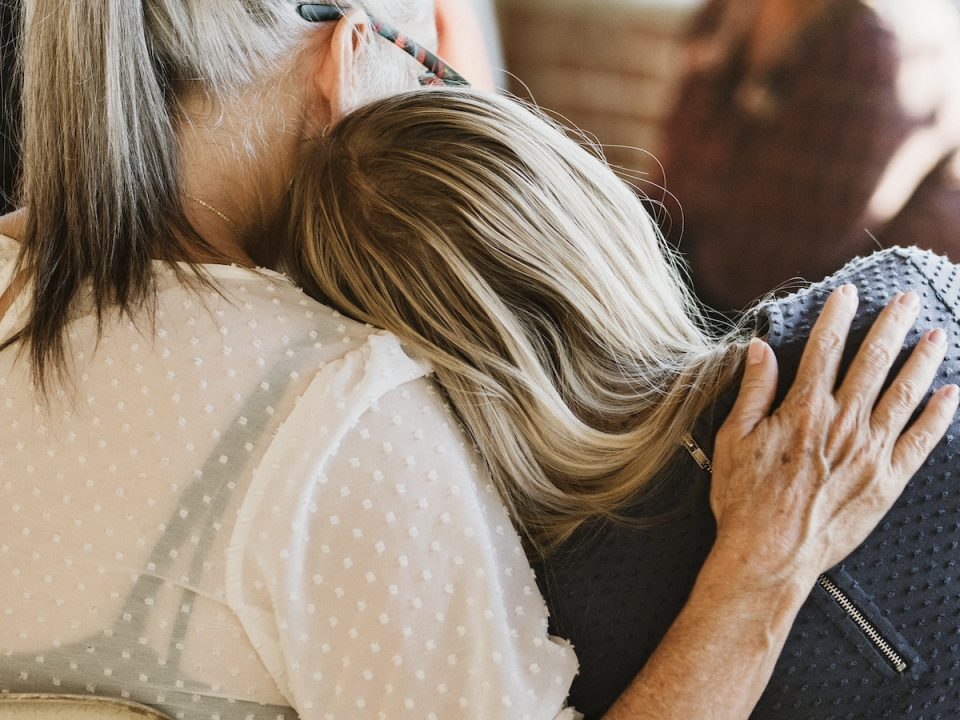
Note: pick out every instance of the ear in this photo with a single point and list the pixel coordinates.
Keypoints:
(334, 65)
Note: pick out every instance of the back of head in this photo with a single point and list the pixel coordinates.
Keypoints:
(103, 82)
(530, 276)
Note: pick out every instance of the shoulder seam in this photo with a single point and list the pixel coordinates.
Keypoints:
(929, 280)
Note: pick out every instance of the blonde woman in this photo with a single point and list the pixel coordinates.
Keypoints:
(226, 499)
(558, 328)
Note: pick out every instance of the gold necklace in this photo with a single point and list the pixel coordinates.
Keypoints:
(211, 208)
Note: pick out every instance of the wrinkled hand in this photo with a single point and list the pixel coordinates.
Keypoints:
(797, 490)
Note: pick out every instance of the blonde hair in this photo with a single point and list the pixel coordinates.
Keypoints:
(530, 276)
(102, 84)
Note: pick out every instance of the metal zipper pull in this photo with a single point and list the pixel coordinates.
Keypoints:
(697, 452)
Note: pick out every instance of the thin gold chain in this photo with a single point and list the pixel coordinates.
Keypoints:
(211, 208)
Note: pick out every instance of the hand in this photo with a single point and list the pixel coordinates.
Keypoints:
(794, 492)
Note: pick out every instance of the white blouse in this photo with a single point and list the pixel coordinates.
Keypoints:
(248, 506)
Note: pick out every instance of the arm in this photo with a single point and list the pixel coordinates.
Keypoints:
(462, 42)
(793, 493)
(715, 660)
(12, 224)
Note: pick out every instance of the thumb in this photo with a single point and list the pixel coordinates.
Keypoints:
(757, 389)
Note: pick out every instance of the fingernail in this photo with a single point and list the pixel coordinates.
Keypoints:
(909, 300)
(938, 337)
(848, 290)
(951, 392)
(755, 352)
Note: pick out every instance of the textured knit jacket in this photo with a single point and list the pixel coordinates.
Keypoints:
(879, 636)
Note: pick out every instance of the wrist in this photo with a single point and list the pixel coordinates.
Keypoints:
(734, 573)
(742, 555)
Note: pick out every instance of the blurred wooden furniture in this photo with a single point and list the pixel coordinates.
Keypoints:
(608, 67)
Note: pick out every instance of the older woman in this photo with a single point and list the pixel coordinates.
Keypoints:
(225, 499)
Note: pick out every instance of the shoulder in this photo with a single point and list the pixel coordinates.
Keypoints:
(9, 250)
(11, 226)
(9, 253)
(325, 418)
(786, 323)
(877, 277)
(935, 25)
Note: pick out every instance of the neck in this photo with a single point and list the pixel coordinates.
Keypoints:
(236, 158)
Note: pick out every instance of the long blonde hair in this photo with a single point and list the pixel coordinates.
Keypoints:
(532, 279)
(102, 88)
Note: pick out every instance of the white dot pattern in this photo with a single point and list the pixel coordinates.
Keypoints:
(254, 508)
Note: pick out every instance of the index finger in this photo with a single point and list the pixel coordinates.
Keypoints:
(820, 362)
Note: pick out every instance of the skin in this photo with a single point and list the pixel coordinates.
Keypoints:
(295, 104)
(793, 491)
(462, 43)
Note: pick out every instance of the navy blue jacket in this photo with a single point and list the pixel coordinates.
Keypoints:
(879, 637)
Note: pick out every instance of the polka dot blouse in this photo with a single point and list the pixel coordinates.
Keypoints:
(246, 506)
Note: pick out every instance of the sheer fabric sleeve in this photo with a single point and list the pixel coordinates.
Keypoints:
(375, 569)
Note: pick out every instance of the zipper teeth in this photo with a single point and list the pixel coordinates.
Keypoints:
(868, 629)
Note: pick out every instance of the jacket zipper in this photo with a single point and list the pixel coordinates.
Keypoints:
(869, 630)
(895, 660)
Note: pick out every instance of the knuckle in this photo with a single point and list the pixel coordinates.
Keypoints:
(827, 341)
(906, 394)
(945, 410)
(810, 416)
(844, 434)
(806, 403)
(885, 493)
(919, 443)
(847, 420)
(876, 356)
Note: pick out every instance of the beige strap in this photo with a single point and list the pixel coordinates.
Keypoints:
(43, 706)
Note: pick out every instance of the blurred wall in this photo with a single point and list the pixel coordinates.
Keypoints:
(607, 66)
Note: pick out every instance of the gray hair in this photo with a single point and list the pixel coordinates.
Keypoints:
(102, 81)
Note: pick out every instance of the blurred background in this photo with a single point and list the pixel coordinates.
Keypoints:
(610, 67)
(776, 139)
